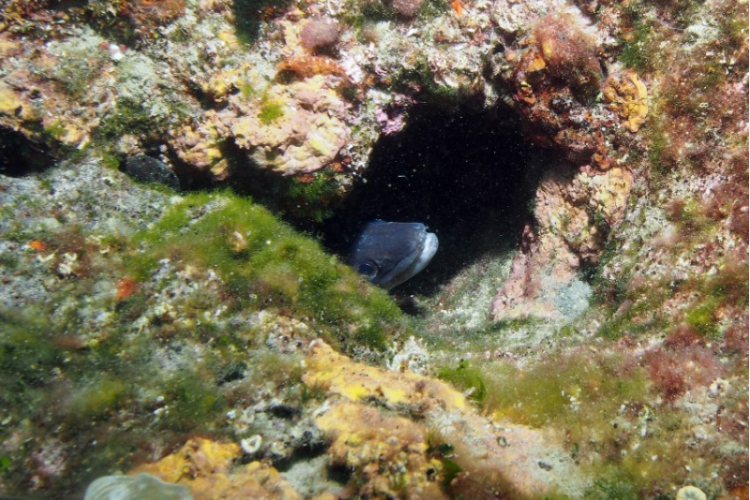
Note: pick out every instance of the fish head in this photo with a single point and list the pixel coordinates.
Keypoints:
(389, 253)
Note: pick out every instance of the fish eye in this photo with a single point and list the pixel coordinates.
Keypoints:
(368, 269)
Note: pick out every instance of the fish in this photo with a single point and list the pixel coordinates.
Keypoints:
(389, 253)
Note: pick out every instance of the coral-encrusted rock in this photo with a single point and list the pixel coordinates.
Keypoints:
(294, 129)
(553, 74)
(569, 54)
(605, 193)
(354, 381)
(205, 467)
(390, 454)
(499, 459)
(568, 233)
(627, 96)
(199, 145)
(519, 296)
(557, 216)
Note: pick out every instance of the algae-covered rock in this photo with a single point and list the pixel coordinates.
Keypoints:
(198, 310)
(295, 128)
(613, 363)
(416, 450)
(205, 468)
(364, 440)
(337, 374)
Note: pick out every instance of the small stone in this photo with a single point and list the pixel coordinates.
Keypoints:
(252, 444)
(690, 493)
(544, 466)
(146, 169)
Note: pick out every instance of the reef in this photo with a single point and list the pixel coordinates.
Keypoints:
(180, 181)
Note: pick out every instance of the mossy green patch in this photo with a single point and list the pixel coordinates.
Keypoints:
(658, 140)
(56, 130)
(27, 356)
(614, 485)
(703, 317)
(314, 200)
(574, 390)
(431, 9)
(602, 403)
(637, 50)
(358, 14)
(97, 397)
(129, 117)
(275, 268)
(467, 378)
(192, 400)
(81, 65)
(247, 91)
(733, 25)
(638, 319)
(270, 111)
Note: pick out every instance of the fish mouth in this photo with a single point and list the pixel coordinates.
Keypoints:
(426, 251)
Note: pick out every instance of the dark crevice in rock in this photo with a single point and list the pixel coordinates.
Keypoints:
(339, 474)
(190, 178)
(299, 204)
(302, 453)
(20, 156)
(247, 178)
(464, 173)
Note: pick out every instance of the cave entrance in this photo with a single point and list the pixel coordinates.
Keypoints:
(465, 173)
(20, 156)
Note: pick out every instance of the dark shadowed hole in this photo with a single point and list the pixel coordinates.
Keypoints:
(19, 156)
(463, 173)
(249, 14)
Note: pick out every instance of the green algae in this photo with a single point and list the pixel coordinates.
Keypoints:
(467, 378)
(94, 398)
(601, 403)
(270, 111)
(193, 400)
(82, 63)
(641, 317)
(614, 485)
(636, 52)
(56, 130)
(275, 267)
(27, 355)
(103, 390)
(130, 117)
(703, 319)
(574, 390)
(48, 376)
(247, 91)
(313, 200)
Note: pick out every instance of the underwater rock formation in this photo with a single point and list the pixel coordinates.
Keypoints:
(204, 466)
(297, 129)
(481, 446)
(613, 363)
(572, 213)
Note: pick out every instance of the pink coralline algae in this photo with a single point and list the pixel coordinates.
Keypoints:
(407, 8)
(319, 33)
(392, 117)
